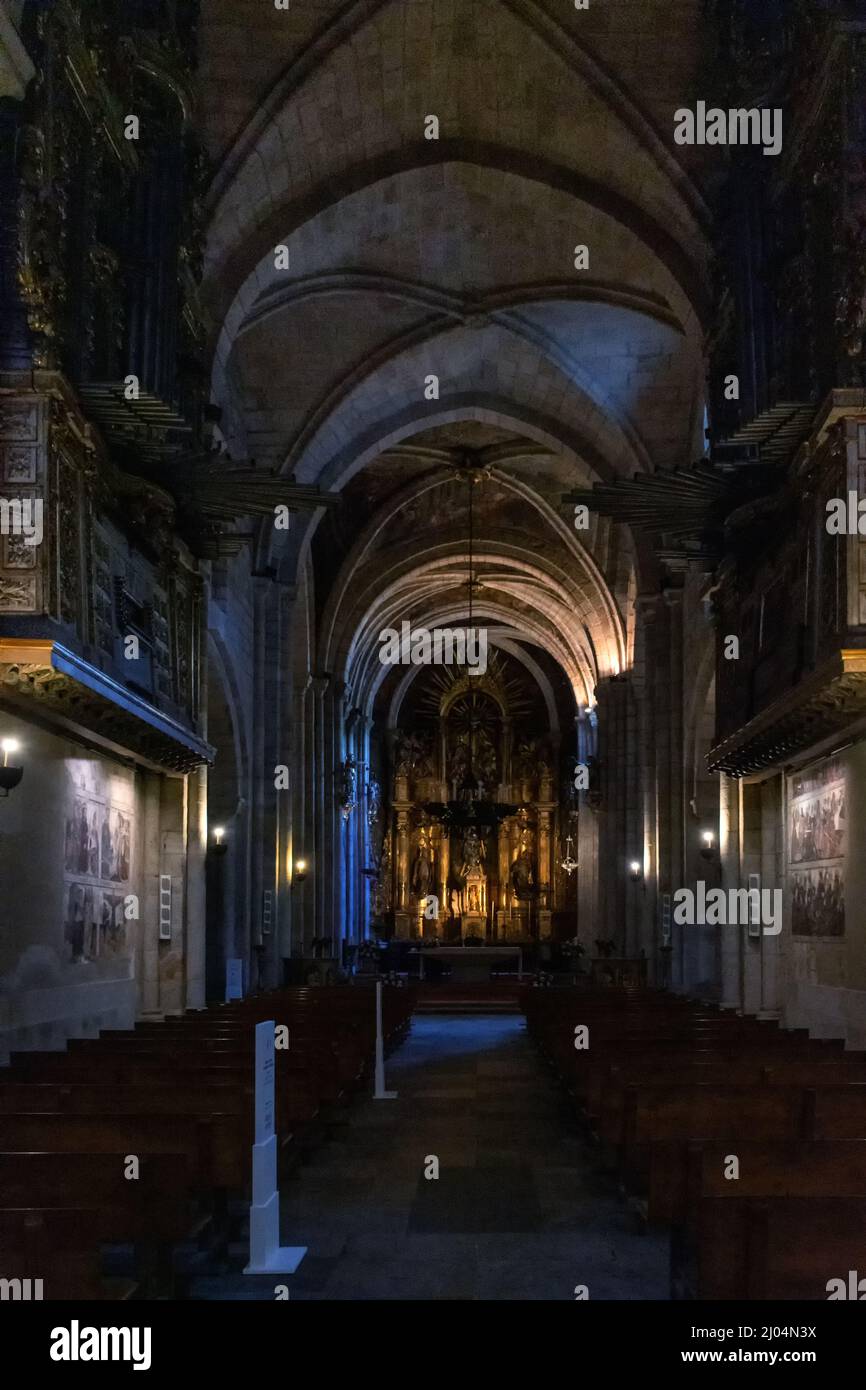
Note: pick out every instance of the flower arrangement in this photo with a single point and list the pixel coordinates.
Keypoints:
(543, 979)
(572, 949)
(369, 950)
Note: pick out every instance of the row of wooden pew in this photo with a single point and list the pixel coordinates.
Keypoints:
(177, 1096)
(746, 1140)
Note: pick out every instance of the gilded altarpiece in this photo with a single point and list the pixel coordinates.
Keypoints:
(473, 882)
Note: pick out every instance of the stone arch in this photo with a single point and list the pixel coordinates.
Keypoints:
(576, 53)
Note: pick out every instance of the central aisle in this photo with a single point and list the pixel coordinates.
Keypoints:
(517, 1211)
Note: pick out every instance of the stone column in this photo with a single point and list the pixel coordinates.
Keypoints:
(730, 937)
(676, 821)
(656, 792)
(644, 682)
(365, 835)
(266, 802)
(614, 850)
(586, 846)
(196, 848)
(148, 988)
(750, 863)
(350, 829)
(319, 842)
(336, 749)
(772, 878)
(293, 925)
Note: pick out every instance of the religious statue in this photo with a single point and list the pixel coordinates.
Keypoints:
(348, 779)
(473, 852)
(459, 762)
(525, 759)
(486, 761)
(522, 877)
(412, 756)
(422, 870)
(472, 895)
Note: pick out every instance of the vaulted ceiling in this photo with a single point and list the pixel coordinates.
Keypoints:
(408, 259)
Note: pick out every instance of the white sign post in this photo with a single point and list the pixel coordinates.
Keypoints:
(380, 1093)
(267, 1256)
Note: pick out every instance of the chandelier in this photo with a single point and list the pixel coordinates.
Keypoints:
(569, 863)
(469, 807)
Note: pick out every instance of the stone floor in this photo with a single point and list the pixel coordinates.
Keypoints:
(518, 1210)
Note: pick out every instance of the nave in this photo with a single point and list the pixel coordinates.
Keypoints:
(518, 1211)
(422, 560)
(660, 1148)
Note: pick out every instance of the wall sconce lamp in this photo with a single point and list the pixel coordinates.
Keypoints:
(635, 871)
(709, 844)
(219, 845)
(9, 776)
(300, 871)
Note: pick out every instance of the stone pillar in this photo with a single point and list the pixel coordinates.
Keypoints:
(265, 801)
(293, 924)
(730, 937)
(148, 989)
(173, 862)
(351, 828)
(676, 815)
(614, 850)
(772, 878)
(634, 829)
(336, 827)
(586, 846)
(750, 863)
(645, 681)
(196, 848)
(366, 848)
(319, 842)
(656, 779)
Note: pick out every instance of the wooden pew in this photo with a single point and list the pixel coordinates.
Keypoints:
(771, 1067)
(153, 1212)
(781, 1248)
(157, 1206)
(216, 1148)
(203, 1081)
(683, 1112)
(682, 1173)
(55, 1244)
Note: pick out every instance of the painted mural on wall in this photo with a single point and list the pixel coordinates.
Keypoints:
(816, 850)
(97, 862)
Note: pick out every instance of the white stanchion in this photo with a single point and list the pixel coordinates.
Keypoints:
(380, 1093)
(267, 1256)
